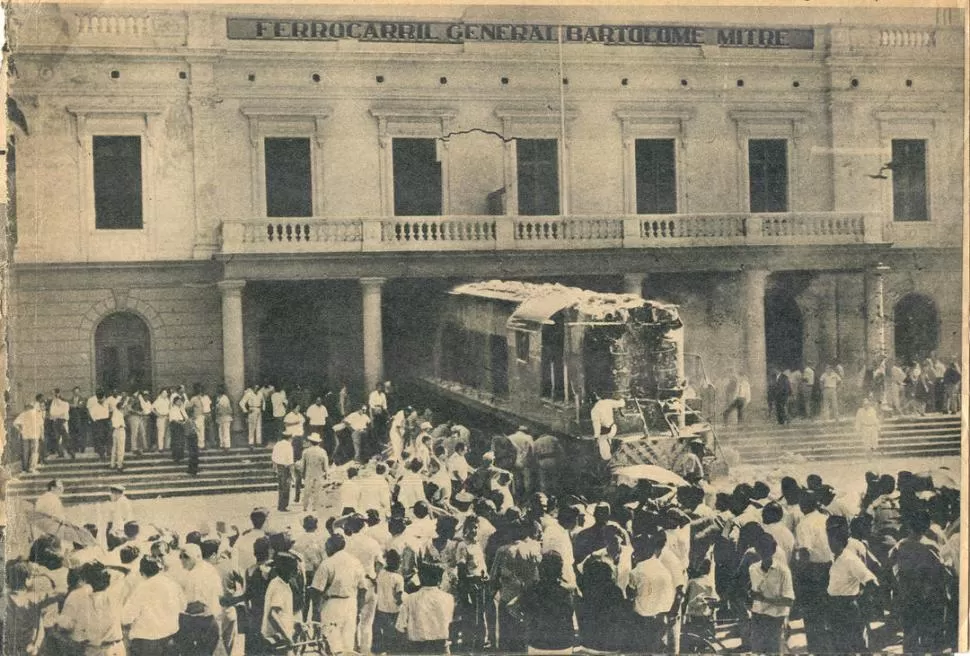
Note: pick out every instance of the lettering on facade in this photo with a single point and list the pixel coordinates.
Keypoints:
(457, 33)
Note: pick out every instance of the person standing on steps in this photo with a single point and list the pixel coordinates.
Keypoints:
(223, 414)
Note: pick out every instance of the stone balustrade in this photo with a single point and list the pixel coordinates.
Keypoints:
(498, 233)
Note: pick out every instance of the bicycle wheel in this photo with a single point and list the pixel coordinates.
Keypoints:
(691, 643)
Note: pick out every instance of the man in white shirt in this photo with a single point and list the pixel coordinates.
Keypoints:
(830, 381)
(200, 580)
(278, 624)
(604, 423)
(199, 406)
(814, 556)
(653, 593)
(100, 423)
(739, 391)
(772, 516)
(317, 415)
(152, 610)
(251, 404)
(358, 422)
(60, 413)
(370, 555)
(847, 578)
(772, 595)
(161, 409)
(279, 403)
(336, 584)
(30, 425)
(283, 466)
(118, 433)
(49, 502)
(458, 466)
(426, 615)
(118, 513)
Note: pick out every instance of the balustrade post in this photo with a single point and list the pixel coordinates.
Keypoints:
(754, 229)
(872, 229)
(232, 236)
(504, 232)
(371, 230)
(631, 232)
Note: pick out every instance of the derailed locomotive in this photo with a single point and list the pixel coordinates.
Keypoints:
(542, 354)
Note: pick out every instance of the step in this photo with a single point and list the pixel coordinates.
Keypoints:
(166, 492)
(123, 478)
(188, 482)
(53, 463)
(47, 472)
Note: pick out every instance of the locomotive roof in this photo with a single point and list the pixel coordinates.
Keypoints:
(537, 302)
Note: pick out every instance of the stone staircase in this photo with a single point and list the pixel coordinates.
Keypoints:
(901, 437)
(151, 475)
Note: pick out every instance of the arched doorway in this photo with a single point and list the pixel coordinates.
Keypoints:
(784, 331)
(916, 323)
(123, 353)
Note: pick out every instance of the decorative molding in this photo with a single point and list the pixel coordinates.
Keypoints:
(281, 112)
(149, 115)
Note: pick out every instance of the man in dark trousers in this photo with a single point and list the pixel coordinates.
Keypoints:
(778, 394)
(283, 466)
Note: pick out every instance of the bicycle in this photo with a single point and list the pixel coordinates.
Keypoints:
(308, 640)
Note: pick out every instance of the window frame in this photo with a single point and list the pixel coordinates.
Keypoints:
(788, 177)
(928, 126)
(535, 123)
(141, 181)
(283, 121)
(438, 145)
(142, 122)
(313, 174)
(926, 182)
(647, 122)
(518, 180)
(788, 125)
(416, 123)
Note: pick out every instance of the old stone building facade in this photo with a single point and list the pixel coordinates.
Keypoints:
(231, 193)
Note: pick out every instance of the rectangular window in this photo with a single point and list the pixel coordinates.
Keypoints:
(656, 176)
(289, 186)
(909, 180)
(538, 168)
(768, 175)
(117, 183)
(417, 177)
(522, 346)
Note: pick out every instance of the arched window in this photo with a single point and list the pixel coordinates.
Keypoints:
(123, 354)
(916, 321)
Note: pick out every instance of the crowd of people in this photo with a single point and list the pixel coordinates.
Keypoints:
(431, 549)
(920, 388)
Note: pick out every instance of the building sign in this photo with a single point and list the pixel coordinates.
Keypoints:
(273, 29)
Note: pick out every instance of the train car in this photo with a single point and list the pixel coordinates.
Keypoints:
(544, 353)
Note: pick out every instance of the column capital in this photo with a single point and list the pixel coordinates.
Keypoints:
(231, 286)
(372, 282)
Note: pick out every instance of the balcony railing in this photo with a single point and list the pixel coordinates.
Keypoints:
(498, 233)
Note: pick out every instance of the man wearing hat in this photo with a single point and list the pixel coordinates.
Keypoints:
(549, 456)
(118, 512)
(315, 465)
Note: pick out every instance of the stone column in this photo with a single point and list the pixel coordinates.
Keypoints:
(753, 328)
(876, 347)
(233, 362)
(373, 332)
(633, 283)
